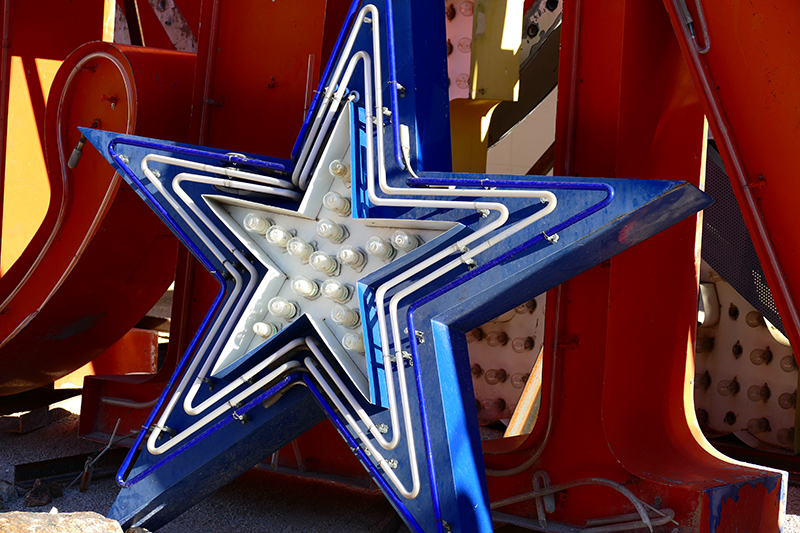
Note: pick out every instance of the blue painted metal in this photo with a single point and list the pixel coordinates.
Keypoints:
(594, 219)
(720, 496)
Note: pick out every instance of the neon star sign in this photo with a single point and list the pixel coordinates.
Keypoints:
(347, 282)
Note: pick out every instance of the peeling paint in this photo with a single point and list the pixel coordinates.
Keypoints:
(719, 495)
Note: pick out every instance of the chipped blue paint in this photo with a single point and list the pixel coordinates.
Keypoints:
(718, 496)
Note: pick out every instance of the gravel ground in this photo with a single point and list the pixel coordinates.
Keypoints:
(257, 502)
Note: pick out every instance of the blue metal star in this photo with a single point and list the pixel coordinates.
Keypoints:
(348, 281)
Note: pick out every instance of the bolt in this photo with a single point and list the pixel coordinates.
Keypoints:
(466, 8)
(156, 173)
(450, 12)
(730, 418)
(733, 312)
(382, 428)
(392, 463)
(533, 30)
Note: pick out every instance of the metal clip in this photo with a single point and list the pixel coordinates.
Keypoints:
(551, 238)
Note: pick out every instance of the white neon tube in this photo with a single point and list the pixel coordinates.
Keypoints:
(382, 462)
(329, 90)
(228, 304)
(152, 444)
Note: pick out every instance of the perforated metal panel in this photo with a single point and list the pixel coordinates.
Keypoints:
(727, 247)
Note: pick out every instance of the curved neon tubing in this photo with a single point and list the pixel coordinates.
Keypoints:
(231, 301)
(219, 411)
(304, 162)
(329, 91)
(321, 88)
(230, 172)
(109, 195)
(235, 415)
(387, 470)
(402, 509)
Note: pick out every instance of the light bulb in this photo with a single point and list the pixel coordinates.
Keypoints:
(786, 436)
(282, 308)
(299, 248)
(264, 329)
(404, 241)
(726, 388)
(352, 257)
(255, 223)
(495, 405)
(519, 380)
(760, 357)
(754, 319)
(278, 236)
(528, 307)
(336, 203)
(497, 338)
(344, 316)
(758, 425)
(322, 262)
(788, 400)
(759, 393)
(353, 342)
(338, 292)
(380, 248)
(340, 170)
(522, 344)
(495, 376)
(474, 335)
(328, 229)
(305, 287)
(788, 363)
